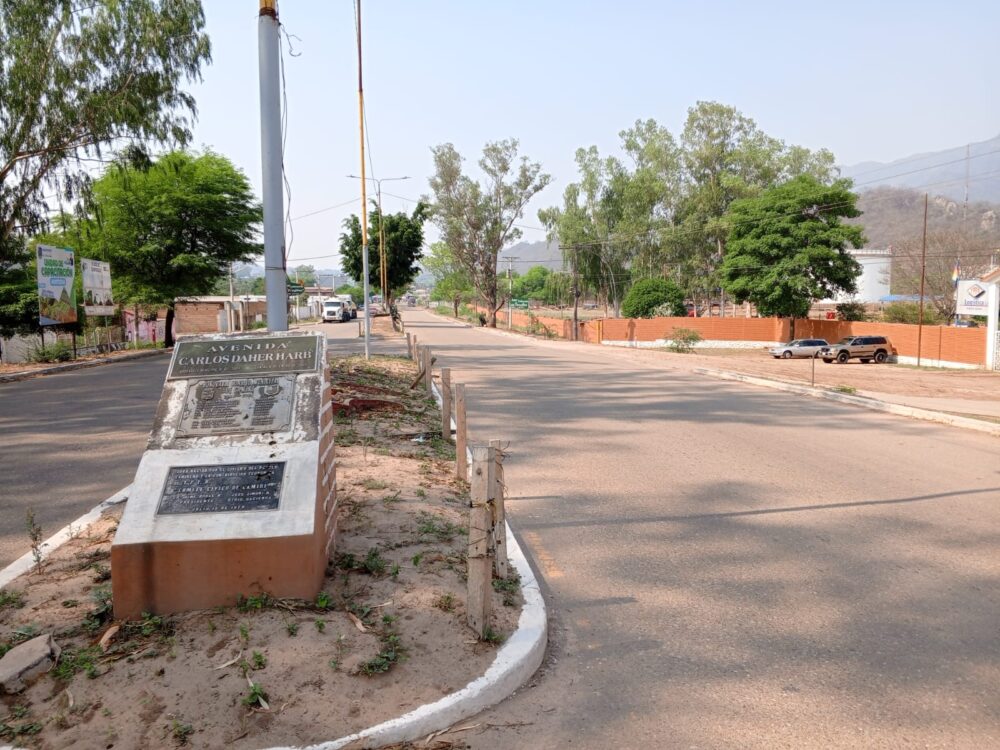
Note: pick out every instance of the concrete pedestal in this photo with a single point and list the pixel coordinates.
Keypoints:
(236, 493)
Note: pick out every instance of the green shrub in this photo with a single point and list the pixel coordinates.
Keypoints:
(909, 312)
(57, 352)
(852, 311)
(682, 340)
(648, 295)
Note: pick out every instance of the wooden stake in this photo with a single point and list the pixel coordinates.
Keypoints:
(409, 346)
(480, 571)
(499, 513)
(461, 436)
(446, 403)
(426, 359)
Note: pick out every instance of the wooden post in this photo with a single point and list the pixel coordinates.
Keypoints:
(499, 513)
(446, 403)
(480, 573)
(461, 437)
(427, 369)
(409, 345)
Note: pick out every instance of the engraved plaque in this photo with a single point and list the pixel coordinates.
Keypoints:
(220, 405)
(245, 355)
(222, 488)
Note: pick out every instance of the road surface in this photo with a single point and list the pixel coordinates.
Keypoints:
(731, 566)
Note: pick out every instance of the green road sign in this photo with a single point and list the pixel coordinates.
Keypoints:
(295, 288)
(519, 304)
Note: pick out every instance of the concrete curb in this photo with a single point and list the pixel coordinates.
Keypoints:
(26, 561)
(13, 377)
(927, 415)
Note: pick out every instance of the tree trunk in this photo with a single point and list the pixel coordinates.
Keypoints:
(168, 328)
(455, 303)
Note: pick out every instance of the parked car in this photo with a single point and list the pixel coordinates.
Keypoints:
(348, 301)
(334, 310)
(865, 348)
(798, 348)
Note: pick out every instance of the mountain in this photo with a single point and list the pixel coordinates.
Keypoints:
(530, 254)
(938, 172)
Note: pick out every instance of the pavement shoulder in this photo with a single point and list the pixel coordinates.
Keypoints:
(12, 377)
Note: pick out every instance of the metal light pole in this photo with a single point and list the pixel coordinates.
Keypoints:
(275, 279)
(383, 263)
(510, 291)
(364, 196)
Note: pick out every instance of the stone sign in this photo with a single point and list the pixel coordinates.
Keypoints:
(222, 488)
(244, 355)
(214, 406)
(236, 492)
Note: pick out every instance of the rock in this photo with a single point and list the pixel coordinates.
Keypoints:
(26, 662)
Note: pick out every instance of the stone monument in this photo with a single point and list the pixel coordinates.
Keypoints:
(236, 492)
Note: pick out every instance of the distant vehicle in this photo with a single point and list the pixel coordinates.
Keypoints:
(335, 311)
(798, 348)
(348, 301)
(866, 348)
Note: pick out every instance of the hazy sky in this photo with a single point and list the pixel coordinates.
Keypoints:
(870, 81)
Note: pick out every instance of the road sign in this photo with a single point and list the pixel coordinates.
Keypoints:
(294, 288)
(519, 304)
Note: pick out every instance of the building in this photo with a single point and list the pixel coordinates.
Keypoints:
(875, 278)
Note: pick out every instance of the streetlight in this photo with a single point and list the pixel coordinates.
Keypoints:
(383, 265)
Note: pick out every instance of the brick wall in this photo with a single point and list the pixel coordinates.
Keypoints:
(203, 317)
(945, 343)
(711, 329)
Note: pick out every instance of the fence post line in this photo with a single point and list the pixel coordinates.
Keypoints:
(499, 512)
(480, 566)
(446, 403)
(461, 437)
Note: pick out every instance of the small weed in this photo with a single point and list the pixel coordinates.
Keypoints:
(374, 563)
(244, 633)
(441, 528)
(256, 602)
(255, 695)
(102, 573)
(73, 660)
(292, 628)
(35, 535)
(149, 625)
(320, 625)
(212, 627)
(258, 660)
(335, 664)
(421, 492)
(492, 636)
(849, 389)
(416, 559)
(374, 484)
(393, 498)
(102, 611)
(388, 656)
(509, 588)
(394, 572)
(347, 436)
(70, 603)
(323, 600)
(12, 599)
(181, 732)
(388, 620)
(346, 561)
(445, 602)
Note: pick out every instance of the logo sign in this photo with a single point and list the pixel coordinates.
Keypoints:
(56, 294)
(519, 304)
(971, 298)
(96, 287)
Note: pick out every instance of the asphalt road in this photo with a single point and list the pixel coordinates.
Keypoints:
(69, 441)
(730, 566)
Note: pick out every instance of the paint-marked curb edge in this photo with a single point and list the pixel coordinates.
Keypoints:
(13, 377)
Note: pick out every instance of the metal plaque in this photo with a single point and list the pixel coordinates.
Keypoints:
(222, 488)
(216, 406)
(245, 355)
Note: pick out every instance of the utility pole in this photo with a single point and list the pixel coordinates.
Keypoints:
(382, 257)
(269, 52)
(510, 291)
(923, 274)
(576, 294)
(231, 315)
(364, 196)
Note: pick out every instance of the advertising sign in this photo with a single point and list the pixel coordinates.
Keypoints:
(56, 295)
(96, 287)
(971, 298)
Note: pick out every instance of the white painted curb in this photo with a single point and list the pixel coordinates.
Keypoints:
(26, 562)
(14, 377)
(927, 415)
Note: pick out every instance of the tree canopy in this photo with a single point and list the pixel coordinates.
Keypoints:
(650, 297)
(76, 78)
(170, 230)
(477, 219)
(451, 282)
(788, 246)
(404, 242)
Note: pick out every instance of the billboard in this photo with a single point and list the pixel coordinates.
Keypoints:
(96, 287)
(56, 295)
(971, 297)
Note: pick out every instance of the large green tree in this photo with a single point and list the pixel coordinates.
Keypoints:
(788, 246)
(78, 78)
(451, 282)
(404, 242)
(477, 220)
(171, 229)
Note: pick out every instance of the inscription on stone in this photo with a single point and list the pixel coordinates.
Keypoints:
(222, 488)
(219, 405)
(244, 356)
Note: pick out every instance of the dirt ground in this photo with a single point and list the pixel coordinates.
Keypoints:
(386, 634)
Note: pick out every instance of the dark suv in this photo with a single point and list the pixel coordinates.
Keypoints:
(865, 348)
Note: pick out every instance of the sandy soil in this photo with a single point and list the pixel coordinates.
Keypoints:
(386, 635)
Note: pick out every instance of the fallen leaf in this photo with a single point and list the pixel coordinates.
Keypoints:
(232, 661)
(357, 623)
(108, 636)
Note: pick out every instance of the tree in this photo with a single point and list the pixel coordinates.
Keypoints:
(909, 312)
(788, 246)
(647, 296)
(477, 220)
(451, 282)
(78, 77)
(171, 230)
(303, 274)
(404, 242)
(357, 292)
(946, 249)
(532, 284)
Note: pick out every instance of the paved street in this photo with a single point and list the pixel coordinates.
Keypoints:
(736, 567)
(69, 441)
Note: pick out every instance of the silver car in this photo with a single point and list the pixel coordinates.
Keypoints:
(798, 348)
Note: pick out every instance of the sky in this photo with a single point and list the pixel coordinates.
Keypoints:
(869, 81)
